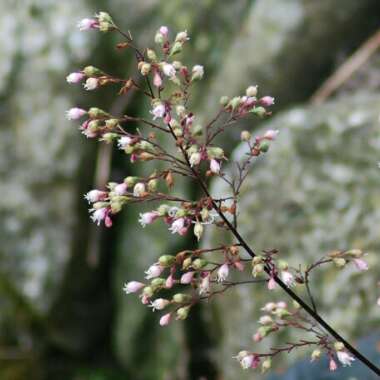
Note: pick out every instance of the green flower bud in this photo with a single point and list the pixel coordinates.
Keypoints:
(354, 252)
(339, 262)
(159, 38)
(251, 91)
(98, 205)
(151, 54)
(264, 146)
(245, 136)
(224, 100)
(166, 260)
(152, 185)
(145, 68)
(315, 355)
(157, 283)
(91, 71)
(148, 291)
(259, 111)
(178, 132)
(215, 152)
(116, 206)
(177, 65)
(96, 113)
(183, 312)
(257, 260)
(94, 125)
(180, 213)
(176, 48)
(339, 346)
(205, 214)
(130, 181)
(198, 230)
(197, 130)
(181, 298)
(199, 263)
(109, 137)
(163, 210)
(187, 263)
(257, 269)
(234, 102)
(112, 123)
(282, 265)
(267, 364)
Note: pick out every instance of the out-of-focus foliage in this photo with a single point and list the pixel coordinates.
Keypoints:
(64, 318)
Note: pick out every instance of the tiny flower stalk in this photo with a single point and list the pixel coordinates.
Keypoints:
(194, 150)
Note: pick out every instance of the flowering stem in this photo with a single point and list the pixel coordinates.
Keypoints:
(289, 291)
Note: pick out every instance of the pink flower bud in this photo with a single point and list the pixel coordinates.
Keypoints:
(120, 189)
(165, 319)
(177, 226)
(75, 113)
(164, 30)
(287, 278)
(223, 272)
(271, 284)
(99, 215)
(133, 287)
(204, 287)
(108, 221)
(187, 277)
(169, 282)
(246, 361)
(270, 134)
(332, 365)
(214, 166)
(361, 264)
(148, 218)
(75, 77)
(157, 80)
(153, 271)
(239, 266)
(281, 305)
(267, 101)
(257, 337)
(88, 23)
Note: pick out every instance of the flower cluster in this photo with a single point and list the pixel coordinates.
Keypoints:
(176, 282)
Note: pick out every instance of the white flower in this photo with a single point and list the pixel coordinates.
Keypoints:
(198, 72)
(91, 84)
(204, 287)
(123, 142)
(75, 113)
(153, 271)
(345, 358)
(287, 278)
(133, 287)
(121, 189)
(148, 218)
(271, 134)
(87, 23)
(99, 215)
(139, 189)
(159, 304)
(158, 111)
(214, 166)
(223, 272)
(246, 361)
(95, 196)
(177, 226)
(75, 77)
(266, 320)
(195, 158)
(168, 70)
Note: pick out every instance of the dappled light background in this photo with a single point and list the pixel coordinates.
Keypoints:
(63, 313)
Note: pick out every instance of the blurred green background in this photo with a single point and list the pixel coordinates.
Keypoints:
(63, 314)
